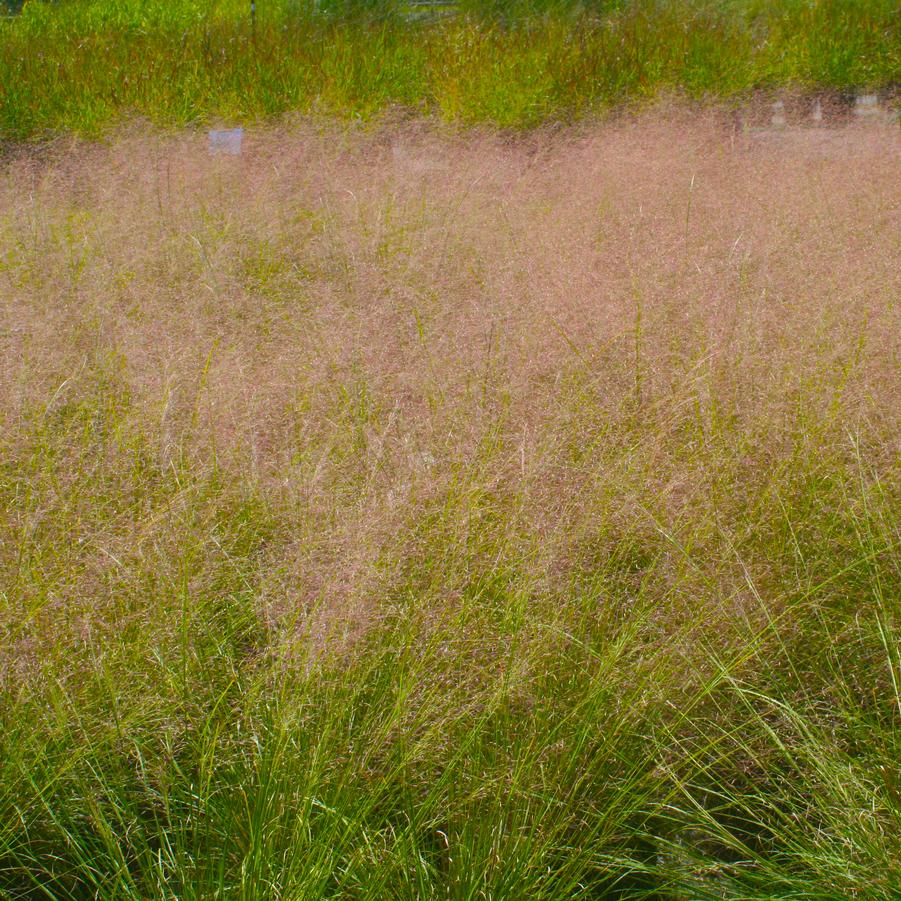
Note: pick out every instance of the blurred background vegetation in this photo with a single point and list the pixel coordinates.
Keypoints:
(83, 64)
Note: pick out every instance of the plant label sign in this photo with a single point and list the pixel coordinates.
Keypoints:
(226, 140)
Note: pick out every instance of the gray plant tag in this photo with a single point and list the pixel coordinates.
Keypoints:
(226, 140)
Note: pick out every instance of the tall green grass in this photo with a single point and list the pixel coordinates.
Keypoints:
(83, 65)
(579, 746)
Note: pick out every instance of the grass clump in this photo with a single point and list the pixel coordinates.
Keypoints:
(382, 519)
(82, 65)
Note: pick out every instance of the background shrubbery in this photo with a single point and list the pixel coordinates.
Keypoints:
(82, 65)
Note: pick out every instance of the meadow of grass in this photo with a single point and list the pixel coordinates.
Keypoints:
(395, 514)
(84, 64)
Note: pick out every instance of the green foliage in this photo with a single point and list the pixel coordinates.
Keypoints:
(82, 65)
(498, 752)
